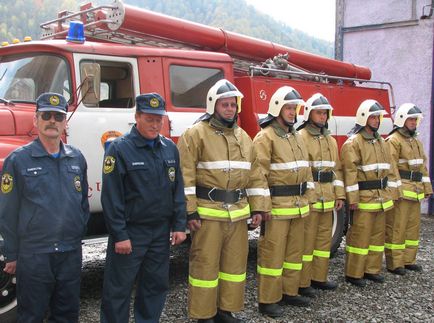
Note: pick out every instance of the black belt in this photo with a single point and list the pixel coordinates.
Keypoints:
(215, 194)
(288, 190)
(412, 176)
(372, 185)
(322, 177)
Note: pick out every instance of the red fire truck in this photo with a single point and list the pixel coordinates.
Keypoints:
(127, 51)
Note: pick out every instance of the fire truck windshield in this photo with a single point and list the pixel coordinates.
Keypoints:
(24, 77)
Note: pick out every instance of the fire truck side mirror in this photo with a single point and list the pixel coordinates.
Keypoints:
(90, 84)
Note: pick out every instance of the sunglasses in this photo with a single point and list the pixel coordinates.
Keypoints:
(59, 117)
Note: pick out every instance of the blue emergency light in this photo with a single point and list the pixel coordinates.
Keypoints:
(76, 32)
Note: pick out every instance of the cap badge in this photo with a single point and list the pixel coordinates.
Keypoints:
(54, 100)
(154, 103)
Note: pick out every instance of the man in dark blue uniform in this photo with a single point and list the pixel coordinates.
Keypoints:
(143, 202)
(43, 215)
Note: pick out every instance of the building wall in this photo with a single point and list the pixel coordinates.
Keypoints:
(389, 37)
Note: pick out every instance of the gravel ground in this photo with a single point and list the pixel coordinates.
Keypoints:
(399, 299)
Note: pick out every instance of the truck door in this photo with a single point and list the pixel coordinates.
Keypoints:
(92, 126)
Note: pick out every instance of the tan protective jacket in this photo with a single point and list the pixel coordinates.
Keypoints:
(214, 156)
(324, 157)
(408, 154)
(366, 158)
(284, 161)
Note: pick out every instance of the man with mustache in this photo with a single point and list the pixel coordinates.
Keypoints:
(43, 215)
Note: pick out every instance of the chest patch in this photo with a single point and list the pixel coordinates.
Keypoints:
(7, 183)
(171, 172)
(77, 183)
(109, 164)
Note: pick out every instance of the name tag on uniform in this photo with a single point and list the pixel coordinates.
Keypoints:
(139, 163)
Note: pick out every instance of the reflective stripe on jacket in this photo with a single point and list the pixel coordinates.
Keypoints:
(284, 161)
(367, 158)
(214, 156)
(407, 151)
(323, 156)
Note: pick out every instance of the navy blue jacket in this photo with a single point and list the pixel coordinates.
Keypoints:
(43, 201)
(142, 185)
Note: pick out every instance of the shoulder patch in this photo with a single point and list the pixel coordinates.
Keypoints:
(109, 164)
(7, 183)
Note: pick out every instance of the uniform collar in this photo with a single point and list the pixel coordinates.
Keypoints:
(280, 131)
(215, 123)
(141, 141)
(314, 131)
(38, 150)
(404, 131)
(369, 136)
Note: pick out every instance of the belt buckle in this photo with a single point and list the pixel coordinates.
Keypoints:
(411, 176)
(301, 189)
(381, 183)
(319, 176)
(240, 194)
(209, 194)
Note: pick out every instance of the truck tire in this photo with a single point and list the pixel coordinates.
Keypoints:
(339, 229)
(8, 296)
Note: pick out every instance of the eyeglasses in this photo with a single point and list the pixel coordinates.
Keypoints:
(47, 115)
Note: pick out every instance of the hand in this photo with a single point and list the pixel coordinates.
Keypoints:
(266, 216)
(123, 247)
(256, 220)
(339, 204)
(194, 225)
(178, 238)
(353, 206)
(10, 267)
(427, 195)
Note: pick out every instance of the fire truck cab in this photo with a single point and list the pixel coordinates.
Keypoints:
(125, 53)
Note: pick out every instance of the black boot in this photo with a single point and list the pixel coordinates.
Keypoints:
(271, 310)
(226, 317)
(397, 271)
(414, 267)
(376, 278)
(359, 282)
(327, 285)
(296, 300)
(307, 291)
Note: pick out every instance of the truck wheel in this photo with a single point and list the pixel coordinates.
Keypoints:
(8, 296)
(338, 230)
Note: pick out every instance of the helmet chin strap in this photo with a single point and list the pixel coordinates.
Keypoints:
(374, 129)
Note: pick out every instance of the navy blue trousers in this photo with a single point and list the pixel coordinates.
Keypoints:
(148, 265)
(48, 282)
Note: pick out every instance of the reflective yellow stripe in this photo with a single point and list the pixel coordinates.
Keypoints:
(322, 254)
(394, 246)
(203, 283)
(232, 277)
(324, 205)
(290, 211)
(307, 258)
(413, 243)
(269, 271)
(376, 248)
(223, 213)
(375, 206)
(359, 251)
(292, 265)
(414, 195)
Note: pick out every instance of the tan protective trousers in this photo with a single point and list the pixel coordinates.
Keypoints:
(402, 234)
(217, 272)
(317, 242)
(280, 251)
(365, 244)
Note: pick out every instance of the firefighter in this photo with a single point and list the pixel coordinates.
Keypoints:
(329, 186)
(285, 163)
(144, 207)
(223, 187)
(403, 222)
(371, 185)
(43, 215)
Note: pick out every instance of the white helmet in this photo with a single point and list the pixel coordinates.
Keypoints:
(222, 89)
(284, 95)
(317, 102)
(369, 108)
(405, 111)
